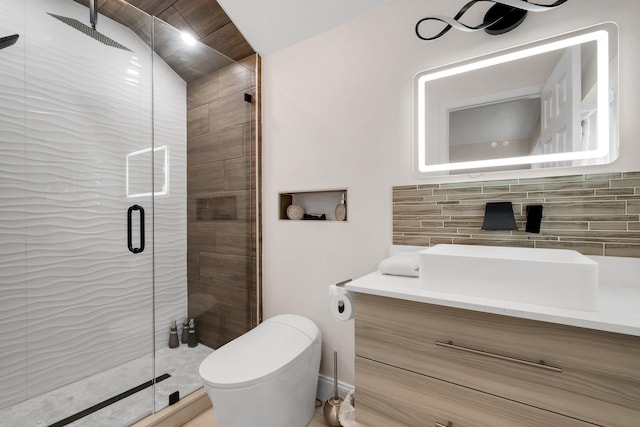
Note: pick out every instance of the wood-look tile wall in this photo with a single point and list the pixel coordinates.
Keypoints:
(221, 214)
(594, 214)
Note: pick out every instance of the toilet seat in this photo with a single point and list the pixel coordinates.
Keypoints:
(261, 353)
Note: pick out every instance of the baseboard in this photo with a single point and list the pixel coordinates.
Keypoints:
(325, 388)
(180, 413)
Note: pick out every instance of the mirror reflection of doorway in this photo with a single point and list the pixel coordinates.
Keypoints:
(546, 119)
(508, 128)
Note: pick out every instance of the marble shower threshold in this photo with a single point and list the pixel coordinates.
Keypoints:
(180, 363)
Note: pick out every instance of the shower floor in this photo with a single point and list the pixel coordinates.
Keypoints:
(181, 363)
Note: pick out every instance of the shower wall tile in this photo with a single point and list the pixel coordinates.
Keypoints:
(237, 173)
(222, 270)
(170, 216)
(236, 238)
(596, 214)
(206, 177)
(193, 264)
(248, 141)
(230, 110)
(220, 212)
(13, 348)
(216, 314)
(12, 200)
(235, 78)
(241, 209)
(202, 91)
(198, 121)
(220, 208)
(73, 300)
(216, 146)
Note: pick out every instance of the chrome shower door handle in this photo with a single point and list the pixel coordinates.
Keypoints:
(129, 232)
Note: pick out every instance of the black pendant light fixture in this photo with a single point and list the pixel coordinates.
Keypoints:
(502, 17)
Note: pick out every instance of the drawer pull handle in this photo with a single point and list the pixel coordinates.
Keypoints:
(539, 364)
(449, 424)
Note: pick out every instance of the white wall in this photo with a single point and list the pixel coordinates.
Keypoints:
(337, 112)
(73, 300)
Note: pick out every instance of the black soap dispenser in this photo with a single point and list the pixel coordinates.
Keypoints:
(173, 335)
(192, 339)
(184, 338)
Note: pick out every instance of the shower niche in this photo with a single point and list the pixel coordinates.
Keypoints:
(312, 205)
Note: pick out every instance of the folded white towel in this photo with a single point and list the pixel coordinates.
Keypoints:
(401, 264)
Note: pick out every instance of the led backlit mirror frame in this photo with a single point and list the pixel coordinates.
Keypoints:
(601, 34)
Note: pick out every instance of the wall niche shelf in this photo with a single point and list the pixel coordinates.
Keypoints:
(314, 202)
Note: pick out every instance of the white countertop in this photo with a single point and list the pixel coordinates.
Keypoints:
(618, 311)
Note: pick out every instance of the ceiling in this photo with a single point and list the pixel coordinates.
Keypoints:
(238, 28)
(271, 25)
(204, 19)
(263, 26)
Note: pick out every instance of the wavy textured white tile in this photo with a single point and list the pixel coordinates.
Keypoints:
(170, 221)
(13, 345)
(88, 299)
(13, 366)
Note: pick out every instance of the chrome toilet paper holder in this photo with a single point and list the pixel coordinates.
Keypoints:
(344, 282)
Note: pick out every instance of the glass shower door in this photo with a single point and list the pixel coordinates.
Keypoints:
(76, 310)
(13, 344)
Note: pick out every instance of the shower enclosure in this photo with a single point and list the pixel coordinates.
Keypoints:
(94, 211)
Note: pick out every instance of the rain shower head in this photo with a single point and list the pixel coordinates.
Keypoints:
(8, 40)
(90, 32)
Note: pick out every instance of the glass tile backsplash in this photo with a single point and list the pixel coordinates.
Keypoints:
(596, 214)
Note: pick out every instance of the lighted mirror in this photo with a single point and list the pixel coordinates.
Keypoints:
(547, 104)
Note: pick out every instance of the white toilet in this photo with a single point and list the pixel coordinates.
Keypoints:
(267, 377)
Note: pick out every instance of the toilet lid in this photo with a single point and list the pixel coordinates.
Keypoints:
(259, 354)
(303, 324)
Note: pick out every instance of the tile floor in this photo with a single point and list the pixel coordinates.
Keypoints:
(208, 419)
(181, 363)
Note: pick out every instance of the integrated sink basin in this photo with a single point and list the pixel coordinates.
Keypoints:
(548, 277)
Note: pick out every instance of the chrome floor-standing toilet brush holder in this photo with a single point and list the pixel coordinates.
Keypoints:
(332, 405)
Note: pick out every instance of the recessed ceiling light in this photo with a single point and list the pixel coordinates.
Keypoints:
(188, 38)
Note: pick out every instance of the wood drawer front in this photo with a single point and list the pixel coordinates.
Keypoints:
(387, 396)
(600, 378)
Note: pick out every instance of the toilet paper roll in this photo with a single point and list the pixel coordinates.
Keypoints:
(341, 303)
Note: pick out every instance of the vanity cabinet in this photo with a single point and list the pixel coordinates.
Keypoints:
(389, 396)
(419, 364)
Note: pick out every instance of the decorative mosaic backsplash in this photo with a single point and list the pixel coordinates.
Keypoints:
(594, 214)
